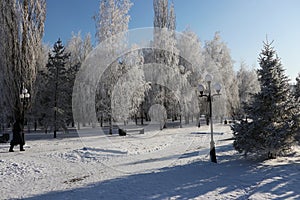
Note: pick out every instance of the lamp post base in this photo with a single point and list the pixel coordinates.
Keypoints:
(212, 153)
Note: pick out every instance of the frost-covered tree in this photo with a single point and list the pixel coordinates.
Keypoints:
(272, 123)
(248, 84)
(87, 45)
(161, 13)
(129, 92)
(190, 46)
(165, 52)
(112, 18)
(39, 110)
(75, 47)
(297, 87)
(165, 43)
(111, 24)
(297, 101)
(192, 63)
(21, 32)
(217, 51)
(78, 50)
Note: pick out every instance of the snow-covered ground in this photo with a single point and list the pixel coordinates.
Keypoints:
(169, 164)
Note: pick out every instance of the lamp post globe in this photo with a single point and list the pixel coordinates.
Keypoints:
(218, 88)
(208, 78)
(201, 88)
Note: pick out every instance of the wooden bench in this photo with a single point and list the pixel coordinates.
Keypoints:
(140, 130)
(123, 132)
(174, 124)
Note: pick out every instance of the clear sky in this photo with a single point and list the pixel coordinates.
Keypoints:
(243, 24)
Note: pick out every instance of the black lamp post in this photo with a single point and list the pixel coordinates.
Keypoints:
(24, 96)
(209, 96)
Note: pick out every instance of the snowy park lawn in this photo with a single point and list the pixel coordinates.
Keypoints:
(169, 164)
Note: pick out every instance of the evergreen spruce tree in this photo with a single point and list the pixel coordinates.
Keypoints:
(272, 122)
(57, 85)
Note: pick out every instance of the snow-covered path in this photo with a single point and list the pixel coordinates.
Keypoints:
(168, 164)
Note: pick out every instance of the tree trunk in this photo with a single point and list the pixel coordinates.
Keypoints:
(142, 115)
(136, 121)
(78, 125)
(35, 125)
(55, 103)
(110, 125)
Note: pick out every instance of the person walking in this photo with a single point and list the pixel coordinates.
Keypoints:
(18, 137)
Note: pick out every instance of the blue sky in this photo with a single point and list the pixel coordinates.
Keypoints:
(243, 24)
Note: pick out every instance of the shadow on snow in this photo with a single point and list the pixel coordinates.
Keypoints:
(233, 177)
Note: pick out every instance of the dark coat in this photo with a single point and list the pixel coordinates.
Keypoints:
(18, 135)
